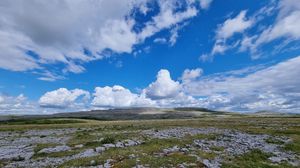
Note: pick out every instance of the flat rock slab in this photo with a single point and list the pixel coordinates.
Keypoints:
(55, 149)
(16, 152)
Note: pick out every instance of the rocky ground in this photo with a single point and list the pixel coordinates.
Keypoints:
(144, 146)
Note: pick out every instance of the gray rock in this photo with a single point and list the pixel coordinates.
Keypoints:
(55, 149)
(79, 146)
(93, 162)
(18, 151)
(120, 145)
(275, 159)
(129, 142)
(171, 150)
(100, 149)
(86, 153)
(109, 145)
(131, 156)
(211, 164)
(107, 164)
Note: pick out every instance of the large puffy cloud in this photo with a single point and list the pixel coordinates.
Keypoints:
(36, 33)
(118, 96)
(63, 98)
(163, 87)
(164, 92)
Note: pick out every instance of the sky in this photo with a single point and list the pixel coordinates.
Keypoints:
(74, 55)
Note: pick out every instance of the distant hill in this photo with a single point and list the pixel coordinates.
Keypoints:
(142, 113)
(138, 113)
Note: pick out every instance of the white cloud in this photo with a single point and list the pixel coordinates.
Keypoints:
(179, 100)
(160, 40)
(1, 99)
(64, 98)
(163, 87)
(235, 25)
(174, 36)
(226, 30)
(167, 17)
(219, 48)
(205, 3)
(16, 105)
(272, 88)
(118, 36)
(62, 31)
(191, 74)
(48, 76)
(118, 96)
(12, 58)
(285, 28)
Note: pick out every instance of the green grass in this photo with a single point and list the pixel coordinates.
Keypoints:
(3, 163)
(217, 148)
(168, 161)
(144, 151)
(206, 155)
(274, 141)
(253, 159)
(295, 147)
(57, 154)
(108, 140)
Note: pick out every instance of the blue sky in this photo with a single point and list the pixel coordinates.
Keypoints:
(225, 55)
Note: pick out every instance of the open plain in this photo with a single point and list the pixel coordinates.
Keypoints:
(217, 140)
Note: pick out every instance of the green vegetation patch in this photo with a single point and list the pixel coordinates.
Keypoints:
(274, 141)
(253, 159)
(57, 154)
(172, 160)
(295, 147)
(206, 155)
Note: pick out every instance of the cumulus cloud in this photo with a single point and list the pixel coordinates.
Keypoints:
(163, 87)
(73, 32)
(64, 98)
(118, 96)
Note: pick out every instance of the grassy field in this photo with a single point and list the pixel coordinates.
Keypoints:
(92, 133)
